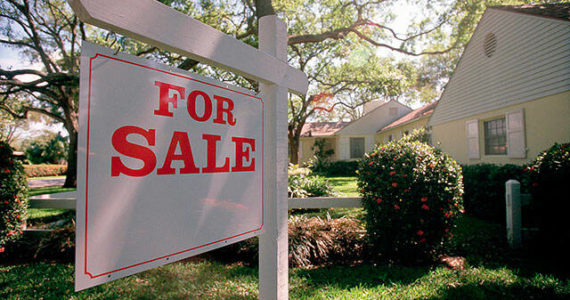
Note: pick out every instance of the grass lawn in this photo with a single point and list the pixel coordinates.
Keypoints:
(490, 271)
(346, 186)
(49, 190)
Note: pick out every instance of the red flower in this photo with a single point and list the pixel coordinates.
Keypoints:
(371, 163)
(396, 207)
(392, 173)
(423, 240)
(431, 166)
(424, 199)
(394, 184)
(362, 191)
(404, 175)
(378, 200)
(534, 184)
(424, 206)
(420, 232)
(17, 216)
(406, 190)
(373, 153)
(448, 214)
(446, 229)
(2, 249)
(6, 202)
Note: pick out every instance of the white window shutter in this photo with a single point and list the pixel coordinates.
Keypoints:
(472, 133)
(516, 143)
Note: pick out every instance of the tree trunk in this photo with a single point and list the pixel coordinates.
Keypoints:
(294, 149)
(71, 174)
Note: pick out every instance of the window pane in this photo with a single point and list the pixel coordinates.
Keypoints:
(495, 137)
(356, 147)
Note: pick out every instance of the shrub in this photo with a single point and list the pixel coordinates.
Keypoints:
(45, 170)
(484, 186)
(339, 168)
(320, 160)
(13, 196)
(314, 241)
(302, 183)
(412, 195)
(549, 183)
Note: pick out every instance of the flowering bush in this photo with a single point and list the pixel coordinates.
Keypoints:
(13, 196)
(548, 179)
(412, 193)
(302, 183)
(45, 170)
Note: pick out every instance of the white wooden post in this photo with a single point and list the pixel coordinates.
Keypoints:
(514, 224)
(273, 248)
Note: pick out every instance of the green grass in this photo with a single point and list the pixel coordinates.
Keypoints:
(49, 190)
(346, 186)
(215, 280)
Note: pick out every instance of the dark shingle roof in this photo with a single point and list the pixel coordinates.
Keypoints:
(556, 10)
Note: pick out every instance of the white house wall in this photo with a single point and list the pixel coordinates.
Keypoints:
(343, 144)
(378, 118)
(532, 60)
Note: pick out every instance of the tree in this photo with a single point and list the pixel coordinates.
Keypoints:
(46, 33)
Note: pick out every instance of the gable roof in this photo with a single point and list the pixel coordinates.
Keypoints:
(321, 128)
(556, 10)
(418, 113)
(529, 61)
(370, 120)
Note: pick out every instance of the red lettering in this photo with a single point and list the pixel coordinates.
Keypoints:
(179, 138)
(121, 145)
(165, 99)
(211, 155)
(191, 106)
(221, 110)
(242, 154)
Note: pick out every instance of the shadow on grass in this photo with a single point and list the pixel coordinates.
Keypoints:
(500, 291)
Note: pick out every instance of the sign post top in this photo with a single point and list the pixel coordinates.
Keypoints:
(159, 25)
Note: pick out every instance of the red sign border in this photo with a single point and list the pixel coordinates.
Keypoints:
(87, 165)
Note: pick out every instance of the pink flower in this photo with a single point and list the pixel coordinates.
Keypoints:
(425, 207)
(394, 184)
(446, 230)
(378, 200)
(396, 207)
(404, 175)
(362, 191)
(420, 232)
(2, 249)
(392, 173)
(424, 199)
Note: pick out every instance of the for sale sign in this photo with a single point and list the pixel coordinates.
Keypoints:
(170, 166)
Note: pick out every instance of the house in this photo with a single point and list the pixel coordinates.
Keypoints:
(509, 96)
(415, 119)
(350, 140)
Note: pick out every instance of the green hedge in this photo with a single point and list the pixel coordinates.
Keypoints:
(45, 170)
(339, 168)
(484, 187)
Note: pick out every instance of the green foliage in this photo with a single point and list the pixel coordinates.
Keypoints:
(316, 241)
(412, 195)
(302, 183)
(45, 170)
(549, 183)
(484, 186)
(321, 158)
(52, 151)
(13, 196)
(340, 168)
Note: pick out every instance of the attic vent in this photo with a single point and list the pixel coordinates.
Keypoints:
(490, 44)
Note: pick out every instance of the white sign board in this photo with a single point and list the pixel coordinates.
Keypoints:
(170, 165)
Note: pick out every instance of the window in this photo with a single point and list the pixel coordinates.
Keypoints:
(356, 147)
(495, 137)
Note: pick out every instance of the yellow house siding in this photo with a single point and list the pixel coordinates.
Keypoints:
(306, 153)
(546, 121)
(397, 132)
